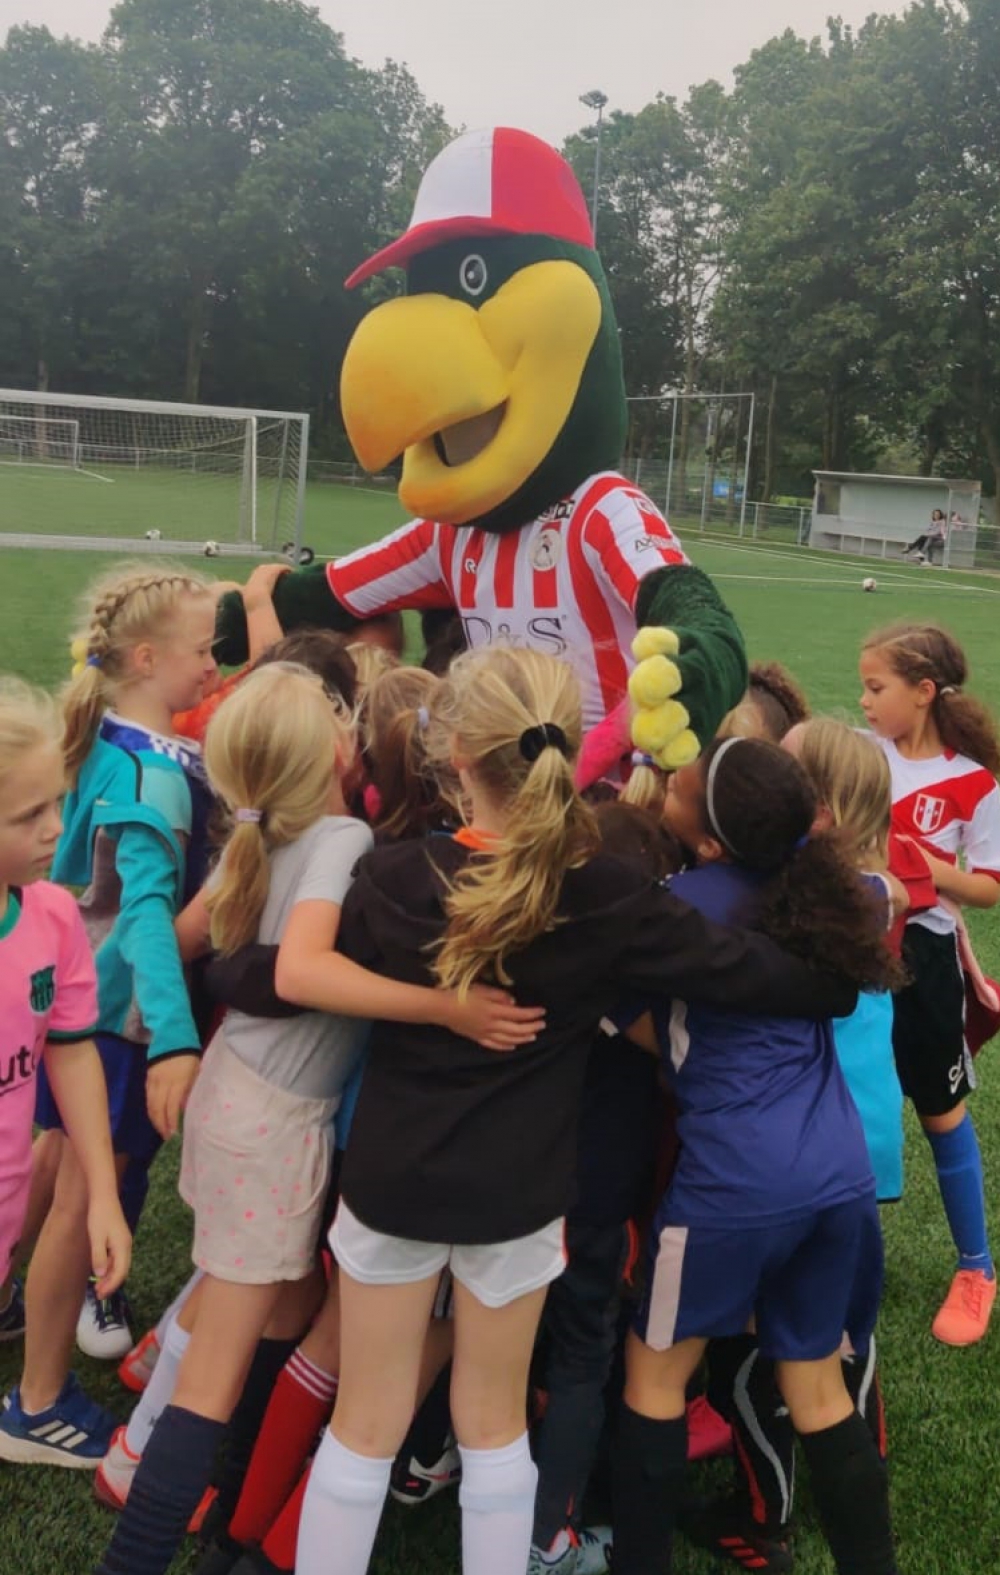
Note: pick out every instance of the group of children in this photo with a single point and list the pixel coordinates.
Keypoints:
(407, 991)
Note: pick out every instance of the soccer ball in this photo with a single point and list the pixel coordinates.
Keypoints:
(153, 535)
(211, 549)
(869, 584)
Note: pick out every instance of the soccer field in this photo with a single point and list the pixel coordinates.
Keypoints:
(809, 611)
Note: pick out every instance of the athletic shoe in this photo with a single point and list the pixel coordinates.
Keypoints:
(413, 1483)
(74, 1431)
(137, 1368)
(965, 1313)
(12, 1317)
(726, 1527)
(709, 1434)
(115, 1472)
(102, 1329)
(593, 1555)
(585, 1553)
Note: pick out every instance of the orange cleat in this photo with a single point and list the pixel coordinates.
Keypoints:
(965, 1313)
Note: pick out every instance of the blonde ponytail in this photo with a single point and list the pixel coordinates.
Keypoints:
(271, 752)
(514, 718)
(135, 602)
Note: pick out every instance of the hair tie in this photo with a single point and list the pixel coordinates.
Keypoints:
(639, 759)
(423, 718)
(949, 689)
(248, 817)
(800, 844)
(546, 735)
(713, 819)
(93, 661)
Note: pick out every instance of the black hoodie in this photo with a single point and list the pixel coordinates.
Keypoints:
(454, 1143)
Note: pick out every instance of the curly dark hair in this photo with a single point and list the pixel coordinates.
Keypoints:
(761, 807)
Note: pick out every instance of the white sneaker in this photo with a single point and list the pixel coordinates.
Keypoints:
(102, 1329)
(588, 1553)
(593, 1556)
(413, 1483)
(115, 1472)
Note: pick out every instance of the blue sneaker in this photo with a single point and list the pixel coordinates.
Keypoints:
(12, 1316)
(74, 1431)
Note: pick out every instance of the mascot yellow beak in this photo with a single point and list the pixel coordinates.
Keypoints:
(473, 398)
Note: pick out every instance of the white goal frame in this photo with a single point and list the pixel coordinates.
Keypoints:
(256, 531)
(42, 426)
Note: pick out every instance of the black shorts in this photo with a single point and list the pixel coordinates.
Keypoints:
(928, 1024)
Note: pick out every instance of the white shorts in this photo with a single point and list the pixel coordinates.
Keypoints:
(495, 1274)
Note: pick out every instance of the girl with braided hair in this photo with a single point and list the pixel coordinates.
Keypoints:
(134, 839)
(944, 754)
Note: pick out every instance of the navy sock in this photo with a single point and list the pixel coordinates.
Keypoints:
(649, 1462)
(960, 1178)
(241, 1435)
(132, 1191)
(851, 1493)
(172, 1476)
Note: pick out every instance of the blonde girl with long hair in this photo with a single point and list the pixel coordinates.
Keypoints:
(133, 839)
(48, 1009)
(464, 1159)
(943, 751)
(258, 1137)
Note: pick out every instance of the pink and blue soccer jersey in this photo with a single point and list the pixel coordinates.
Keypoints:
(48, 992)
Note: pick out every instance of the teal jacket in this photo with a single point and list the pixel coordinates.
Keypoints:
(126, 827)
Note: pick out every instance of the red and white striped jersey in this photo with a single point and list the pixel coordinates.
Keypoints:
(951, 805)
(567, 583)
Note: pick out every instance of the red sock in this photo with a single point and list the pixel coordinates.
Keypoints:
(299, 1408)
(282, 1539)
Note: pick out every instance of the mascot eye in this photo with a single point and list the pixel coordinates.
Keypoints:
(472, 274)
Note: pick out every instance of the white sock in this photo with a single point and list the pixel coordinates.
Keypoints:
(341, 1510)
(175, 1306)
(159, 1391)
(497, 1496)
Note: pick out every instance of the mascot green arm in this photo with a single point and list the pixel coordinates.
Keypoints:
(302, 599)
(692, 665)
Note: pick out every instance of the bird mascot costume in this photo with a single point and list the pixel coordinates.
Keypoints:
(498, 379)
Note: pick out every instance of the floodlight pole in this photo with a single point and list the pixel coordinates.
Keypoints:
(595, 99)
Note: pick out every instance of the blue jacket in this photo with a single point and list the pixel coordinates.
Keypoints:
(126, 825)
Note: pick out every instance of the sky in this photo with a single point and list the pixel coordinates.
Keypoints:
(525, 62)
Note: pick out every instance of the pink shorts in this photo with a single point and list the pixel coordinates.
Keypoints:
(255, 1168)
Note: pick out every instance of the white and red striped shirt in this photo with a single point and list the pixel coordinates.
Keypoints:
(950, 805)
(567, 583)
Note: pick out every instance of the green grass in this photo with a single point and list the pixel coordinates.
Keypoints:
(943, 1406)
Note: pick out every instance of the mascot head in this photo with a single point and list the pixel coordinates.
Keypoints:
(498, 375)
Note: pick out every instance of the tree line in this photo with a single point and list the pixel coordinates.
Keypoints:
(180, 204)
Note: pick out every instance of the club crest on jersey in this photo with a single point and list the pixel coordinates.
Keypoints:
(928, 813)
(546, 550)
(43, 989)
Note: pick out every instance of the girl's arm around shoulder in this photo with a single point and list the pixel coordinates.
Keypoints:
(310, 973)
(672, 950)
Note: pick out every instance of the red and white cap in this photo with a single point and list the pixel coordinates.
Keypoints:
(495, 182)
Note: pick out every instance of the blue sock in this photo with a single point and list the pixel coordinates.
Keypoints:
(173, 1474)
(960, 1178)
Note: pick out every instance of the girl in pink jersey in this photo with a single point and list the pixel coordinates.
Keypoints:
(48, 1007)
(944, 755)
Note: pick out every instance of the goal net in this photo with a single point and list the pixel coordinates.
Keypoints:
(689, 452)
(35, 440)
(94, 472)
